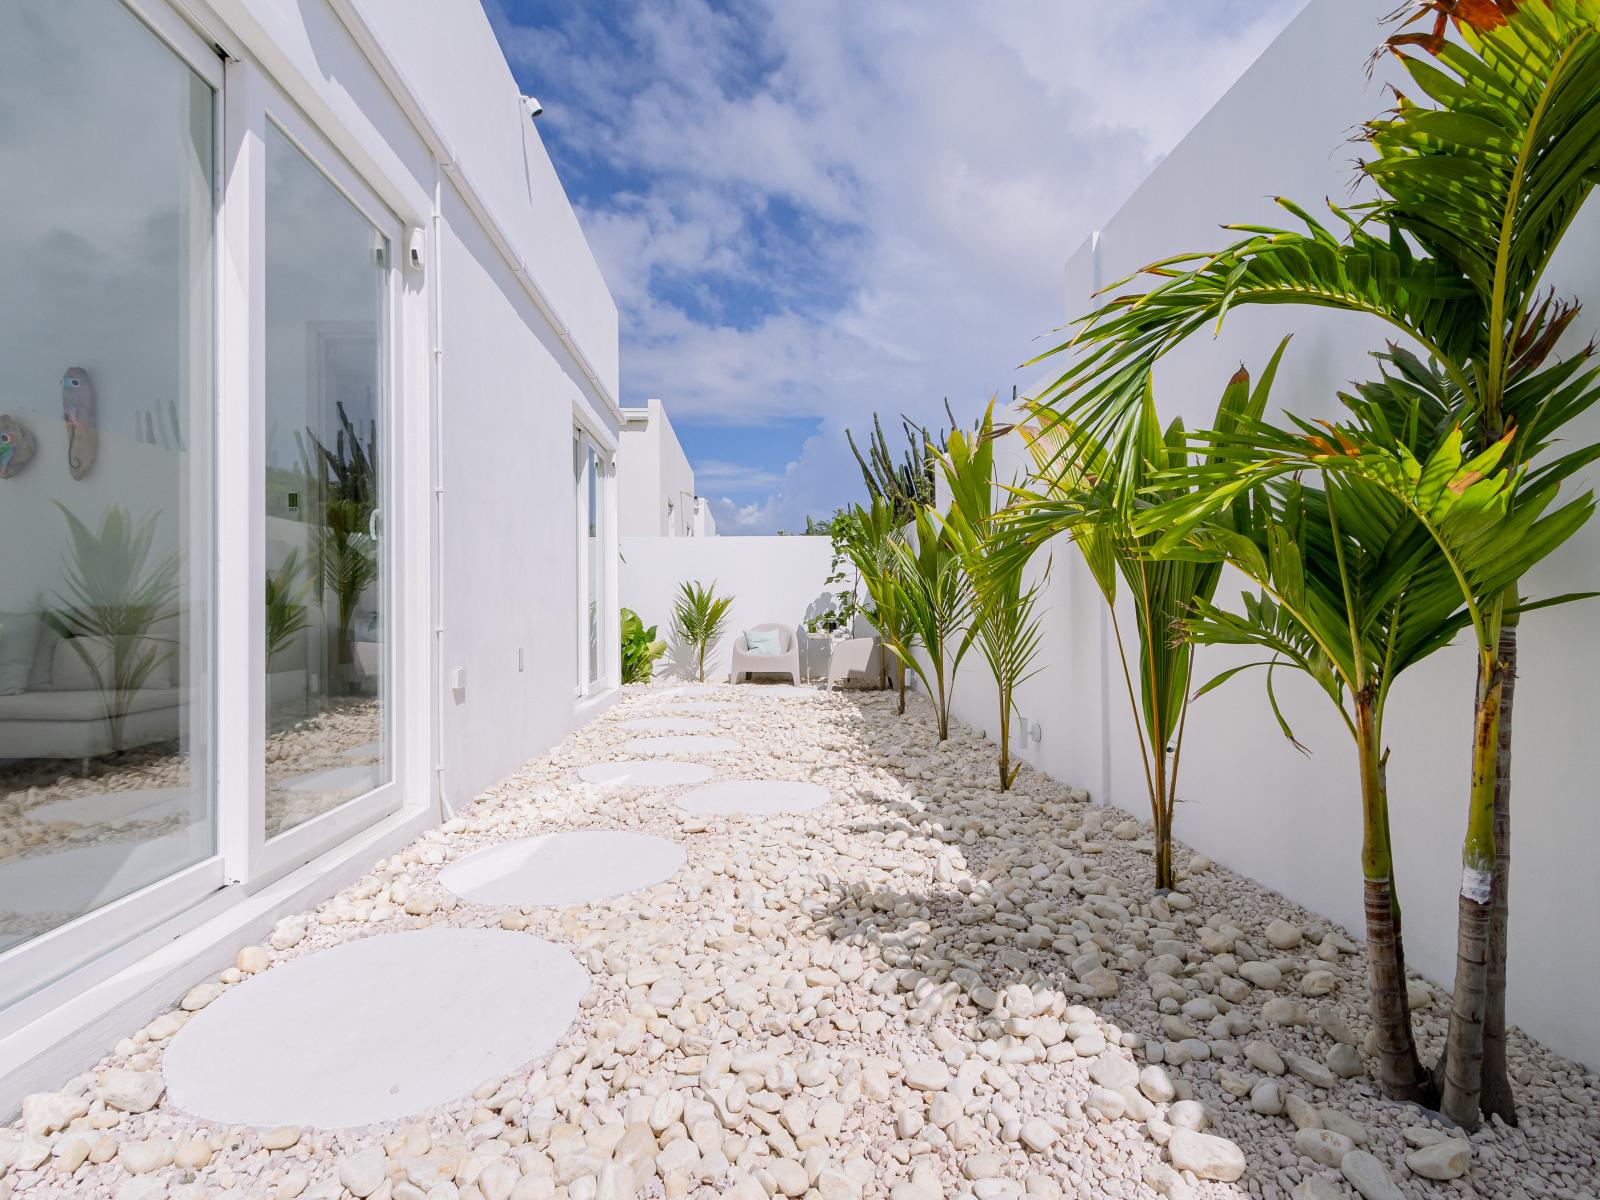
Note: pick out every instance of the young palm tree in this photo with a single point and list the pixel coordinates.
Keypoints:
(934, 598)
(113, 597)
(867, 536)
(1478, 183)
(1083, 492)
(1005, 618)
(1399, 553)
(699, 620)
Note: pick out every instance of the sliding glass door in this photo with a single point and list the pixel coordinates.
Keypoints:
(108, 819)
(326, 575)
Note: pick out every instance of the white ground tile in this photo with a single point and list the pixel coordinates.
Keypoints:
(564, 868)
(756, 797)
(685, 743)
(714, 708)
(141, 803)
(644, 774)
(667, 725)
(375, 1029)
(334, 779)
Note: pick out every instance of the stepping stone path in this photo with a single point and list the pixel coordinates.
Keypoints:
(667, 725)
(374, 1029)
(684, 743)
(644, 774)
(919, 987)
(563, 868)
(754, 797)
(712, 708)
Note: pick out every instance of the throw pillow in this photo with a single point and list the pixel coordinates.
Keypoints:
(763, 641)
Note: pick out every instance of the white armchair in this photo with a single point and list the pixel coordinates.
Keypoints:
(785, 662)
(852, 654)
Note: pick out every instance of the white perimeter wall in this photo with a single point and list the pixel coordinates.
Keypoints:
(1249, 799)
(776, 579)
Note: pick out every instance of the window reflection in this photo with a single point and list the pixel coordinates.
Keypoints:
(326, 641)
(105, 345)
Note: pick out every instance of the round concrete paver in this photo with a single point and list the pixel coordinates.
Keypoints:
(691, 689)
(564, 868)
(755, 797)
(784, 691)
(644, 774)
(685, 743)
(374, 1030)
(667, 725)
(105, 807)
(710, 708)
(334, 779)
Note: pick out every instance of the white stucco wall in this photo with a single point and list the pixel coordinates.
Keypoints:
(1249, 799)
(771, 579)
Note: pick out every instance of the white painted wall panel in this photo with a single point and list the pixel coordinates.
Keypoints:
(777, 579)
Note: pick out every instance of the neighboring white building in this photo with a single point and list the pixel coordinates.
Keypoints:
(655, 491)
(339, 375)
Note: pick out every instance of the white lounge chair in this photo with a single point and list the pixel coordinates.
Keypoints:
(852, 654)
(785, 662)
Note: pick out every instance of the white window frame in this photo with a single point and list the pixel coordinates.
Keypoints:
(586, 444)
(253, 859)
(56, 957)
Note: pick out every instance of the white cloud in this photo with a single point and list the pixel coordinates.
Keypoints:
(899, 184)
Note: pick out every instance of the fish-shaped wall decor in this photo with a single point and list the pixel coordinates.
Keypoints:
(16, 446)
(83, 432)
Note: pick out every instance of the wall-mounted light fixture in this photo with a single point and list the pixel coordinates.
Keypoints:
(1027, 732)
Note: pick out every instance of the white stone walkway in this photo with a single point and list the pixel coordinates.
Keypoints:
(915, 988)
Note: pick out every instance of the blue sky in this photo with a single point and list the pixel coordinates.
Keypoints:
(810, 212)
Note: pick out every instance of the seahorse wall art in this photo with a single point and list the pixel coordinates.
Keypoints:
(83, 434)
(16, 446)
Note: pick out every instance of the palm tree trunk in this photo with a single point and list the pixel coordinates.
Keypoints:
(1005, 740)
(1398, 1065)
(900, 673)
(1161, 819)
(1463, 1053)
(1498, 1098)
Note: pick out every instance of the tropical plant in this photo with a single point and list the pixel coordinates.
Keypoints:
(1081, 491)
(699, 620)
(907, 483)
(640, 649)
(867, 536)
(1361, 580)
(1005, 619)
(286, 613)
(113, 597)
(1478, 183)
(934, 597)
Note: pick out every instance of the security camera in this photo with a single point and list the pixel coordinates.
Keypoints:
(533, 106)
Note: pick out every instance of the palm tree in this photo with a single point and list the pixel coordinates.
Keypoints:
(1360, 581)
(867, 536)
(699, 620)
(1083, 492)
(934, 597)
(113, 598)
(1478, 183)
(1005, 619)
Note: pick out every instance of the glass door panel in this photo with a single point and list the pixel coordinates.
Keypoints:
(106, 320)
(327, 560)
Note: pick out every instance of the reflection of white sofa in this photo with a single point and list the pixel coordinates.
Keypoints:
(785, 662)
(63, 714)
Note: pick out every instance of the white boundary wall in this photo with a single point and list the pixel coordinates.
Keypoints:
(1249, 799)
(777, 579)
